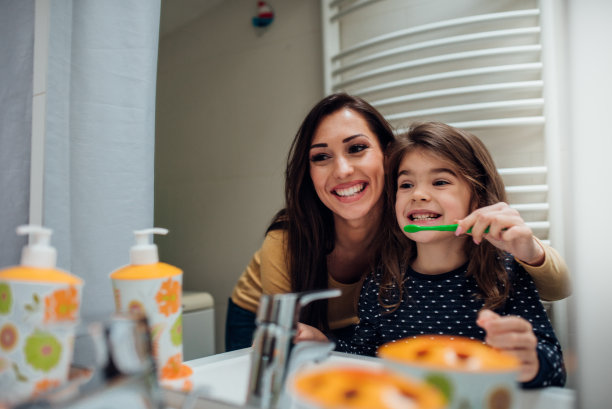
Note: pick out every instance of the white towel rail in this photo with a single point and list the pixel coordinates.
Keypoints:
(527, 189)
(533, 85)
(489, 35)
(431, 27)
(356, 6)
(521, 103)
(532, 170)
(472, 72)
(530, 207)
(500, 123)
(446, 58)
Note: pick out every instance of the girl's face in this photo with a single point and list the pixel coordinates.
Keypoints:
(346, 165)
(429, 192)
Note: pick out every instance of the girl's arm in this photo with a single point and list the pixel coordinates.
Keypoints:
(525, 331)
(508, 232)
(308, 333)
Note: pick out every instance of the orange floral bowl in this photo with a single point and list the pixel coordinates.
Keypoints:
(353, 386)
(470, 374)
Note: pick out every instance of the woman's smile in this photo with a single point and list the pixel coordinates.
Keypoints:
(350, 190)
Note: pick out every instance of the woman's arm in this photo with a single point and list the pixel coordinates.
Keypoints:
(552, 277)
(275, 277)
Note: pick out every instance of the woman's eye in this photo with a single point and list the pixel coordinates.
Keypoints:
(319, 157)
(357, 148)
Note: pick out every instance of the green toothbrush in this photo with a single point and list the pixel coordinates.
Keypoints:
(413, 228)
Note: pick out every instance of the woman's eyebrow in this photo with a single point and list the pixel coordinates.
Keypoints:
(345, 140)
(350, 138)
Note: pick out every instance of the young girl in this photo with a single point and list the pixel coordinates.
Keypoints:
(435, 282)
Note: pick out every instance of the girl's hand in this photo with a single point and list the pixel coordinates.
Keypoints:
(307, 333)
(507, 231)
(514, 335)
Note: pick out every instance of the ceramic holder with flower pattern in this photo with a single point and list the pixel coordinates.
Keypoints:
(39, 312)
(470, 374)
(154, 289)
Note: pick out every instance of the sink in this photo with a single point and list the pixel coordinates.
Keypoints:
(223, 378)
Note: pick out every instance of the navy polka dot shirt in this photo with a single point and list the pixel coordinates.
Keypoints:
(446, 304)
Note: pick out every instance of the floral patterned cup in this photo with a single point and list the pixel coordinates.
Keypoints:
(158, 296)
(37, 325)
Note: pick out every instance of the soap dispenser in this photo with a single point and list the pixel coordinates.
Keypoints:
(149, 287)
(39, 312)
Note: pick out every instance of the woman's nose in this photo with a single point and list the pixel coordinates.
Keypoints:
(343, 167)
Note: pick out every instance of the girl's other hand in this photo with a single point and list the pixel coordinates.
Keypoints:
(307, 333)
(514, 335)
(507, 231)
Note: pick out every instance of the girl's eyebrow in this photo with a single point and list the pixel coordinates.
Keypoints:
(407, 172)
(345, 140)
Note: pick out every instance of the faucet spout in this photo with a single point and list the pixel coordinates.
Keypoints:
(277, 319)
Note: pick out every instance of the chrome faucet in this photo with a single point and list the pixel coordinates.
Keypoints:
(277, 319)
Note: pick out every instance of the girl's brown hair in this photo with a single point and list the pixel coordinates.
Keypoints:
(473, 162)
(308, 222)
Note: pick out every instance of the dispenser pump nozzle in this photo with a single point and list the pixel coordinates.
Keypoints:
(38, 252)
(144, 251)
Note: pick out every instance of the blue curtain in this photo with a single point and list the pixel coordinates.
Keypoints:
(16, 67)
(98, 142)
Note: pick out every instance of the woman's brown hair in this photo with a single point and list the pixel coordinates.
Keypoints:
(308, 222)
(473, 163)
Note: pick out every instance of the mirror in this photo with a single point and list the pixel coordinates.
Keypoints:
(230, 97)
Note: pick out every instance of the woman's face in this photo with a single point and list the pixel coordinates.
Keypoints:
(430, 192)
(347, 165)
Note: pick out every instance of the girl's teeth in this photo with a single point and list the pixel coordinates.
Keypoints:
(429, 216)
(350, 191)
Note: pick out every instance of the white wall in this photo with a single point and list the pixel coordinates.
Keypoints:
(230, 98)
(589, 65)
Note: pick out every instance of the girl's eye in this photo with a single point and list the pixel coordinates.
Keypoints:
(441, 182)
(357, 148)
(404, 185)
(319, 157)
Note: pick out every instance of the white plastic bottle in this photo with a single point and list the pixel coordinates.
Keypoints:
(39, 311)
(153, 288)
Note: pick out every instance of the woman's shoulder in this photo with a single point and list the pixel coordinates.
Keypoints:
(275, 238)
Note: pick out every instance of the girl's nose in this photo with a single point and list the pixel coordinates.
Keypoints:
(420, 194)
(343, 167)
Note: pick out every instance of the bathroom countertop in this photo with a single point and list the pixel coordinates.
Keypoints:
(224, 378)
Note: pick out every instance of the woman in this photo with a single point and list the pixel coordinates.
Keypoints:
(328, 234)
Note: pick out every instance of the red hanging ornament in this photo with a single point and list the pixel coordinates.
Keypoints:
(265, 15)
